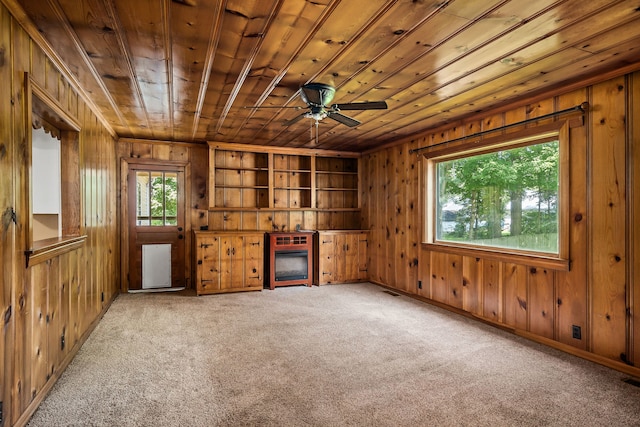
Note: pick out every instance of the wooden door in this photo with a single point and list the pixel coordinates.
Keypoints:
(253, 260)
(156, 226)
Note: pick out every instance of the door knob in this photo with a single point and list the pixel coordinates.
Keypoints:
(179, 228)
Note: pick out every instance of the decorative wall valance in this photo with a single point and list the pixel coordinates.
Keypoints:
(38, 122)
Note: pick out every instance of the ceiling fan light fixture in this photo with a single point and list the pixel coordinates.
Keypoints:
(317, 116)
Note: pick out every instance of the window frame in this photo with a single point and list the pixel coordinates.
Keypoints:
(557, 130)
(40, 103)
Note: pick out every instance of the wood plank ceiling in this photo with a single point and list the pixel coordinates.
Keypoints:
(185, 70)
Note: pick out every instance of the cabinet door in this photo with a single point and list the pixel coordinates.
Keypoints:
(340, 254)
(326, 260)
(253, 260)
(208, 263)
(351, 253)
(363, 273)
(231, 274)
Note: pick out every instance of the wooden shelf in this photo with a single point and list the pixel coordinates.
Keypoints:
(292, 188)
(293, 170)
(336, 172)
(276, 209)
(242, 169)
(245, 187)
(251, 181)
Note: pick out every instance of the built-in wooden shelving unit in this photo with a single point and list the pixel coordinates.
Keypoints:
(337, 183)
(277, 189)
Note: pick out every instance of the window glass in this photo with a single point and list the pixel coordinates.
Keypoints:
(505, 199)
(157, 198)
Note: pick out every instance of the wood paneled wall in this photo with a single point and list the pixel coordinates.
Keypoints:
(196, 214)
(600, 293)
(49, 308)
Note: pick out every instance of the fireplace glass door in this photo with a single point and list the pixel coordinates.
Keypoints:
(291, 265)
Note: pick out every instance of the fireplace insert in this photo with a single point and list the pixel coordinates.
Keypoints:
(291, 265)
(290, 258)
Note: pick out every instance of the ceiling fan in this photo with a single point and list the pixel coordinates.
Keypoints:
(318, 97)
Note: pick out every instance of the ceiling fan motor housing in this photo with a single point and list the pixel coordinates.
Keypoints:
(317, 94)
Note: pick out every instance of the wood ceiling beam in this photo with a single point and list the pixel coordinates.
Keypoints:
(168, 54)
(120, 35)
(214, 39)
(247, 66)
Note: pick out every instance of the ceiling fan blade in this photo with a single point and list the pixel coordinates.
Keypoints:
(294, 120)
(376, 105)
(341, 118)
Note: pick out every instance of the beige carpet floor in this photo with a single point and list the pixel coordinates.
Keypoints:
(342, 355)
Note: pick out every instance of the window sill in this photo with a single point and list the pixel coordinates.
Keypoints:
(533, 260)
(43, 250)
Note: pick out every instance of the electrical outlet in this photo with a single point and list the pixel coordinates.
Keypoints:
(419, 284)
(576, 331)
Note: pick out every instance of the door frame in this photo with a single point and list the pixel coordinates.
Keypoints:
(125, 165)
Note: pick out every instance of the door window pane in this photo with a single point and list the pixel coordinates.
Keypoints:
(157, 198)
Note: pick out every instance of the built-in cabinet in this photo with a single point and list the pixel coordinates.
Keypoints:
(228, 261)
(342, 256)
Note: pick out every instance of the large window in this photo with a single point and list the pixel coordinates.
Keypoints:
(507, 197)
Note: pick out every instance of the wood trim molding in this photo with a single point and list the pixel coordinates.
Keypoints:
(53, 105)
(281, 150)
(44, 250)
